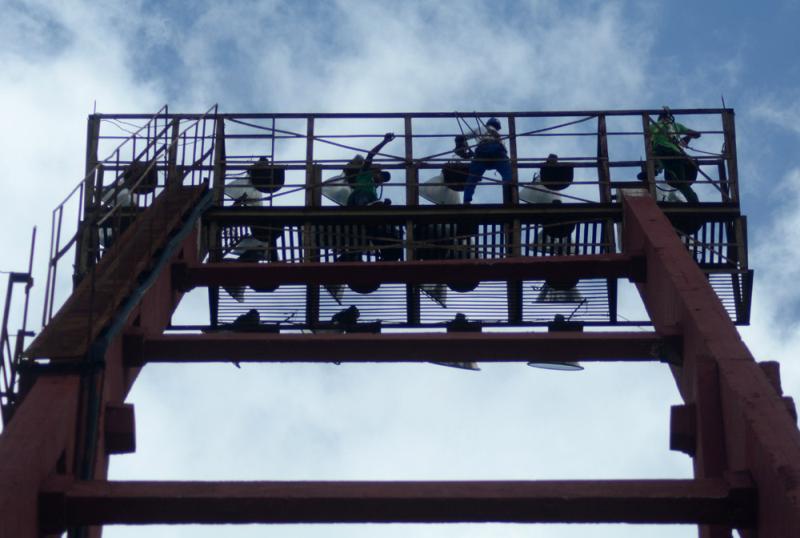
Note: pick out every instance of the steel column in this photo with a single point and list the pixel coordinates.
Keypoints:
(742, 422)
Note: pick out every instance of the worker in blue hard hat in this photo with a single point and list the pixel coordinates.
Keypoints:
(667, 138)
(363, 178)
(488, 154)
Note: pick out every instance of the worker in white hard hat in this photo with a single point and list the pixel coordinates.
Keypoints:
(489, 154)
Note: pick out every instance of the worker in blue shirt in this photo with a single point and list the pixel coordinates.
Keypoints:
(489, 154)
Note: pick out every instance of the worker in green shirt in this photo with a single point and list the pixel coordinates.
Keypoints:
(363, 181)
(363, 178)
(667, 138)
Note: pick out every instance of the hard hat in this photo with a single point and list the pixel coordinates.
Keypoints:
(494, 122)
(667, 114)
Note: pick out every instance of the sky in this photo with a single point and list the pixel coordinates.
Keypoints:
(59, 61)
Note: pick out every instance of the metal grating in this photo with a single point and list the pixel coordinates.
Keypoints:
(588, 301)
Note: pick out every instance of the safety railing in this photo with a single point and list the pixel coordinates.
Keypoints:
(11, 355)
(274, 164)
(262, 165)
(603, 150)
(599, 150)
(327, 235)
(149, 154)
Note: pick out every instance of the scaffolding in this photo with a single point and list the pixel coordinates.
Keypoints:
(254, 208)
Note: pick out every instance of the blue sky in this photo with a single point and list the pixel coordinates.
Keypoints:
(58, 59)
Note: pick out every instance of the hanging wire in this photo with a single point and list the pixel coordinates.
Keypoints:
(528, 133)
(119, 125)
(317, 138)
(705, 152)
(459, 119)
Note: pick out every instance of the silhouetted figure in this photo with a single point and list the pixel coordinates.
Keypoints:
(347, 318)
(246, 321)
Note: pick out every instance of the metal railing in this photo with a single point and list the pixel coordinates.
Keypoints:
(606, 151)
(164, 150)
(10, 357)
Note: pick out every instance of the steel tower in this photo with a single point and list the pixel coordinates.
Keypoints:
(253, 207)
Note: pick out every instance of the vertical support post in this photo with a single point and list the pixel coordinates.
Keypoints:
(41, 434)
(511, 192)
(728, 126)
(513, 229)
(648, 151)
(603, 167)
(412, 200)
(172, 165)
(412, 181)
(84, 231)
(213, 238)
(724, 185)
(92, 142)
(218, 178)
(313, 198)
(737, 253)
(604, 186)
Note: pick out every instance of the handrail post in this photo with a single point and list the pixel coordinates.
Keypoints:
(213, 239)
(88, 198)
(313, 198)
(729, 129)
(172, 167)
(648, 151)
(412, 200)
(513, 230)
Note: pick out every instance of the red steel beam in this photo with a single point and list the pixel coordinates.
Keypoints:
(741, 421)
(410, 272)
(40, 434)
(390, 347)
(47, 429)
(602, 501)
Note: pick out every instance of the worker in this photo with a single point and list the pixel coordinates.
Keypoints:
(667, 138)
(363, 178)
(489, 154)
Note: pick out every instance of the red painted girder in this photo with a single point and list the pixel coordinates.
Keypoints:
(41, 432)
(608, 501)
(41, 438)
(742, 422)
(391, 347)
(411, 272)
(69, 334)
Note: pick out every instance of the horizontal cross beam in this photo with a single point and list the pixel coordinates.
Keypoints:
(396, 347)
(530, 213)
(601, 501)
(410, 272)
(373, 115)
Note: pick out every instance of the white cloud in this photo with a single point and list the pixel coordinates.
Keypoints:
(776, 300)
(47, 89)
(780, 112)
(261, 422)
